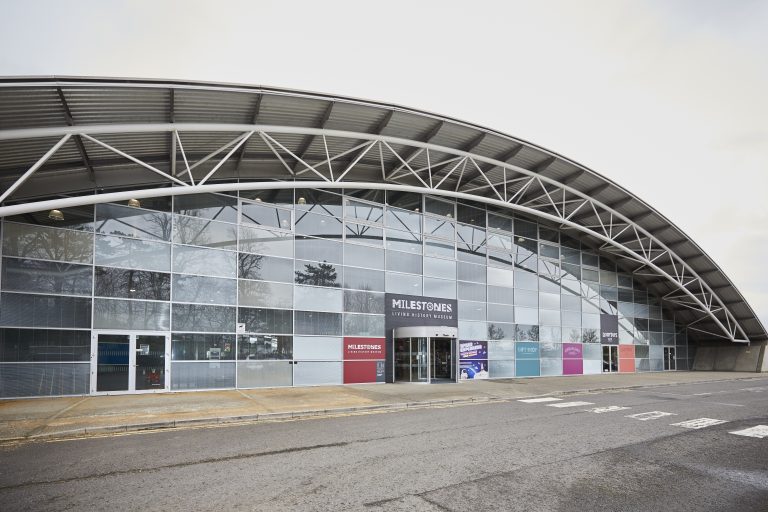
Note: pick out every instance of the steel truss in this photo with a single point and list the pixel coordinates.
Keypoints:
(474, 177)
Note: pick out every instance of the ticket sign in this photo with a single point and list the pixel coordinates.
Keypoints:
(364, 348)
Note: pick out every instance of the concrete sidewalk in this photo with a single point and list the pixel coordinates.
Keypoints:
(50, 418)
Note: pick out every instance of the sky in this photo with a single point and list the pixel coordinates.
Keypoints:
(665, 97)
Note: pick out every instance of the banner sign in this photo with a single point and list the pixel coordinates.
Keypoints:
(473, 370)
(473, 349)
(609, 329)
(364, 348)
(411, 310)
(572, 351)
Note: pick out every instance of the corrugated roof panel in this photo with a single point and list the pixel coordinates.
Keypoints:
(194, 105)
(30, 108)
(92, 105)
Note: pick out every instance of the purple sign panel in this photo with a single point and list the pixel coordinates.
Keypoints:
(572, 351)
(573, 366)
(473, 350)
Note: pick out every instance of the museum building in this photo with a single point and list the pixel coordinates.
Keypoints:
(170, 236)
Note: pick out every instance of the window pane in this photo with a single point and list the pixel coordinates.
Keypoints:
(439, 228)
(317, 299)
(207, 233)
(23, 310)
(202, 347)
(437, 267)
(318, 225)
(472, 311)
(273, 321)
(256, 266)
(500, 294)
(470, 215)
(37, 345)
(443, 288)
(207, 206)
(403, 283)
(363, 302)
(316, 249)
(29, 241)
(364, 234)
(470, 272)
(270, 295)
(364, 211)
(471, 291)
(318, 274)
(265, 241)
(194, 260)
(436, 248)
(318, 201)
(362, 256)
(131, 314)
(363, 279)
(315, 347)
(132, 284)
(363, 325)
(203, 318)
(404, 220)
(499, 222)
(500, 276)
(202, 375)
(204, 289)
(261, 346)
(313, 322)
(439, 207)
(113, 219)
(115, 251)
(46, 277)
(501, 313)
(404, 262)
(402, 241)
(267, 216)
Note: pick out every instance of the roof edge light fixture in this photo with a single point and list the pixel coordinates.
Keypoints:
(353, 148)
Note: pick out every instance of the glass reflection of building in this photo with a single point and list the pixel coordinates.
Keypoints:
(302, 269)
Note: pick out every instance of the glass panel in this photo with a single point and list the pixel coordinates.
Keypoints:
(316, 249)
(264, 294)
(202, 347)
(363, 325)
(265, 241)
(402, 241)
(316, 373)
(472, 310)
(526, 229)
(257, 374)
(318, 201)
(470, 272)
(364, 234)
(113, 219)
(203, 318)
(150, 362)
(46, 277)
(362, 256)
(436, 248)
(132, 284)
(440, 228)
(472, 291)
(500, 295)
(131, 314)
(318, 225)
(207, 233)
(39, 345)
(207, 206)
(470, 215)
(204, 289)
(363, 302)
(443, 288)
(318, 274)
(115, 251)
(364, 211)
(317, 299)
(439, 207)
(264, 346)
(112, 362)
(501, 331)
(404, 220)
(194, 260)
(437, 267)
(499, 222)
(404, 262)
(202, 375)
(39, 379)
(405, 284)
(363, 279)
(78, 218)
(267, 216)
(260, 320)
(29, 241)
(313, 322)
(25, 310)
(419, 359)
(501, 313)
(256, 266)
(317, 347)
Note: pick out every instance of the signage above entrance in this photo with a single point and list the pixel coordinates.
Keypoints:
(410, 310)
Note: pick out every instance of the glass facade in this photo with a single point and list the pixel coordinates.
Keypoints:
(305, 279)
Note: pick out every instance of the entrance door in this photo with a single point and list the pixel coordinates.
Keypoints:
(129, 362)
(670, 363)
(441, 359)
(610, 358)
(421, 359)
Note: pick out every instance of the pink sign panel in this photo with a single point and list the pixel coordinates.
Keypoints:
(573, 367)
(572, 351)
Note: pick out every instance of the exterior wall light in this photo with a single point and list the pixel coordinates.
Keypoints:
(135, 203)
(56, 215)
(301, 200)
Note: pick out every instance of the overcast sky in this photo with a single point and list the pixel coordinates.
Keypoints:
(667, 97)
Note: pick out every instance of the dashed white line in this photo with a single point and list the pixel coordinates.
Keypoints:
(699, 423)
(651, 415)
(760, 431)
(755, 390)
(610, 408)
(540, 400)
(571, 404)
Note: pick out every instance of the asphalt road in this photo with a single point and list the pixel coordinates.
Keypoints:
(501, 456)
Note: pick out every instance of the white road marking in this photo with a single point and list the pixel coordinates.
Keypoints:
(702, 394)
(651, 415)
(759, 431)
(571, 404)
(699, 423)
(755, 390)
(539, 400)
(610, 408)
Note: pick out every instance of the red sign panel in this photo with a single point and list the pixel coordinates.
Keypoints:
(359, 372)
(364, 348)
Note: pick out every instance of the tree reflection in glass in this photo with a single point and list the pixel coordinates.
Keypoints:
(321, 274)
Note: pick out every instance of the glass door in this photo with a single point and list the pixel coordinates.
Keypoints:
(610, 358)
(129, 362)
(419, 359)
(669, 358)
(442, 359)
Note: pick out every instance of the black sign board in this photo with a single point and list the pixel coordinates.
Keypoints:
(609, 329)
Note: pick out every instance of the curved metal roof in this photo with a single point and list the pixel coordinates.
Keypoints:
(76, 137)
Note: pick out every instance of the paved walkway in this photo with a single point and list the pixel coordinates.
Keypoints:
(47, 418)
